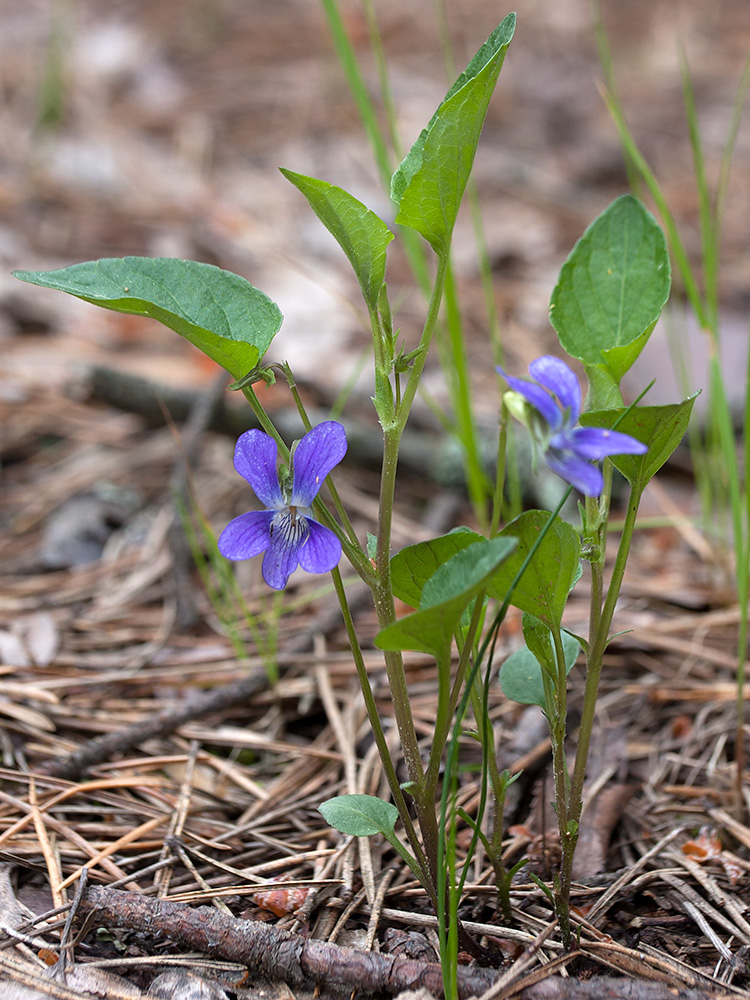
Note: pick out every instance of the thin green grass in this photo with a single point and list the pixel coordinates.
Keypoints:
(225, 596)
(720, 474)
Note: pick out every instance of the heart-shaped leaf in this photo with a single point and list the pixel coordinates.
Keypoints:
(612, 288)
(222, 314)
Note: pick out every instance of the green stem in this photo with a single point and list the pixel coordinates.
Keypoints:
(457, 372)
(389, 106)
(384, 607)
(306, 423)
(485, 652)
(499, 784)
(649, 178)
(383, 590)
(499, 490)
(593, 673)
(359, 89)
(427, 333)
(448, 695)
(743, 592)
(563, 804)
(377, 729)
(265, 421)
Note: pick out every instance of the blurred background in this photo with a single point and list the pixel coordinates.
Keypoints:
(156, 127)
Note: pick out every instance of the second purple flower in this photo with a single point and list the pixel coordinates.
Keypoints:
(569, 450)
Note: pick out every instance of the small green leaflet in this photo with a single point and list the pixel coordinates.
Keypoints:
(219, 312)
(364, 816)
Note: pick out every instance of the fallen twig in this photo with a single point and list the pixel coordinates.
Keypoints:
(276, 953)
(612, 988)
(280, 954)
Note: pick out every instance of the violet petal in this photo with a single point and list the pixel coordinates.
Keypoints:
(586, 478)
(321, 551)
(318, 452)
(255, 460)
(555, 375)
(539, 398)
(247, 535)
(598, 442)
(288, 533)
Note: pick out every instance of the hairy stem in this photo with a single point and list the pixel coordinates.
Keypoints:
(593, 672)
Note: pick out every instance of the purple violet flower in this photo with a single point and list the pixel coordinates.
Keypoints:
(285, 530)
(569, 450)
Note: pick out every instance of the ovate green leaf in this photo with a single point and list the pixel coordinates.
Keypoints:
(360, 815)
(612, 288)
(219, 312)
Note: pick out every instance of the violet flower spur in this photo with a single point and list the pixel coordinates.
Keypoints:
(569, 450)
(285, 530)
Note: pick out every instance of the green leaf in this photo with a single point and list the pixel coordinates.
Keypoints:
(359, 232)
(661, 428)
(413, 566)
(445, 596)
(360, 815)
(221, 313)
(429, 184)
(604, 391)
(539, 641)
(521, 674)
(544, 587)
(364, 816)
(612, 288)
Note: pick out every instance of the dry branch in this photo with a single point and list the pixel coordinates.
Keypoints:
(611, 988)
(282, 955)
(276, 953)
